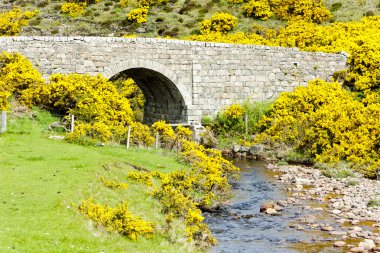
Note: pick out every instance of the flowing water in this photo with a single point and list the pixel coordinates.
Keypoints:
(241, 227)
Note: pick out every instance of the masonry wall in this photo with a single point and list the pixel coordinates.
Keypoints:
(208, 75)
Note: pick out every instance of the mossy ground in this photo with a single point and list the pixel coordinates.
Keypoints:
(44, 180)
(177, 18)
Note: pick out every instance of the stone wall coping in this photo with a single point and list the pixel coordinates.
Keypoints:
(158, 41)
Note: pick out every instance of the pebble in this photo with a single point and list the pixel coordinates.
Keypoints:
(335, 197)
(336, 211)
(338, 233)
(327, 228)
(271, 211)
(356, 229)
(339, 244)
(367, 244)
(357, 249)
(309, 219)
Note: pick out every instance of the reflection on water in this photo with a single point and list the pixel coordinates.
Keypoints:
(242, 228)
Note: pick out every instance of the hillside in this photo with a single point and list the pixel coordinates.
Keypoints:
(176, 18)
(44, 180)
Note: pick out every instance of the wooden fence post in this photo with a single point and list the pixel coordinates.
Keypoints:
(3, 124)
(157, 136)
(128, 136)
(72, 123)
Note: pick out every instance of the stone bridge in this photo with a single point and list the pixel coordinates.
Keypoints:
(181, 80)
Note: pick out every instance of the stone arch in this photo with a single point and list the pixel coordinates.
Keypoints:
(165, 98)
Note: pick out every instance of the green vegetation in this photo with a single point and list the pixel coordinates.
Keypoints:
(43, 181)
(171, 18)
(373, 203)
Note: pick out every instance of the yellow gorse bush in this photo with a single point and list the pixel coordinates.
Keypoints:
(182, 193)
(18, 77)
(141, 177)
(234, 111)
(101, 111)
(258, 8)
(183, 133)
(112, 184)
(139, 15)
(130, 90)
(307, 10)
(219, 22)
(118, 219)
(141, 134)
(74, 9)
(165, 131)
(12, 21)
(328, 123)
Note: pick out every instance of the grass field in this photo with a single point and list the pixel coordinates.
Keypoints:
(43, 181)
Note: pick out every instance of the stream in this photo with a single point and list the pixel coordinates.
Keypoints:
(240, 227)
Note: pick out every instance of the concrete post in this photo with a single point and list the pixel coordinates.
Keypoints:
(3, 124)
(128, 136)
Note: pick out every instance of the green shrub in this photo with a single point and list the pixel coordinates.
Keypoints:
(339, 173)
(373, 203)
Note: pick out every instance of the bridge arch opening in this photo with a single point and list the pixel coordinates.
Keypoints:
(164, 101)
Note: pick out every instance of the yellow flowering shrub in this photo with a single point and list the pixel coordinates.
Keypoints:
(183, 133)
(165, 131)
(12, 21)
(5, 93)
(124, 3)
(238, 37)
(210, 169)
(230, 120)
(196, 229)
(18, 77)
(183, 193)
(130, 90)
(328, 123)
(117, 219)
(258, 8)
(112, 184)
(141, 135)
(308, 10)
(73, 9)
(141, 177)
(139, 15)
(90, 98)
(219, 22)
(89, 133)
(95, 102)
(234, 111)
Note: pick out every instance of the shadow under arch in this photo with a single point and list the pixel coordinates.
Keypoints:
(163, 99)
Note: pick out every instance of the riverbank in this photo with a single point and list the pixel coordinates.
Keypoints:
(352, 203)
(44, 180)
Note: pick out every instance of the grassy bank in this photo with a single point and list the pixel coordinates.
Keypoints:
(43, 180)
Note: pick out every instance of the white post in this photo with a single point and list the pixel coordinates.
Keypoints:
(72, 123)
(3, 122)
(128, 136)
(157, 139)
